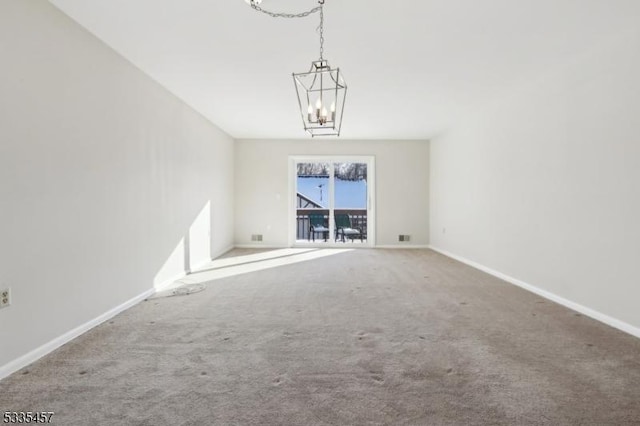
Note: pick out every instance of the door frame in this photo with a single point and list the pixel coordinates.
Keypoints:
(370, 160)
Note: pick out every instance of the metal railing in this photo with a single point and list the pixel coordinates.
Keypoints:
(358, 220)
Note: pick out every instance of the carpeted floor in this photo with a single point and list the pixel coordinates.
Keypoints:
(365, 337)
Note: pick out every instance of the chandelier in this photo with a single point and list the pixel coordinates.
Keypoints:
(321, 91)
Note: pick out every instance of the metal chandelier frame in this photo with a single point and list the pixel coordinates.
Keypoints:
(319, 87)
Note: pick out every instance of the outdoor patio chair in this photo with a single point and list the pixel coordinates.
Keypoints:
(317, 224)
(344, 228)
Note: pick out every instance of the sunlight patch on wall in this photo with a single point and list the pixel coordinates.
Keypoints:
(192, 252)
(173, 267)
(199, 238)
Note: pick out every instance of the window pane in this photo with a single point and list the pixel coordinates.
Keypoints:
(350, 185)
(313, 185)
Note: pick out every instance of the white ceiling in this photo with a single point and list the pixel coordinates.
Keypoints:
(412, 66)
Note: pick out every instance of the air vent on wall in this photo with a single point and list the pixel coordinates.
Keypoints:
(256, 237)
(404, 238)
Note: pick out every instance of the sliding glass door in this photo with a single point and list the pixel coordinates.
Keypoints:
(332, 201)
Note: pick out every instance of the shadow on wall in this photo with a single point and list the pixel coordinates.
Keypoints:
(192, 251)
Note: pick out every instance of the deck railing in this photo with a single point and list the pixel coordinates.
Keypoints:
(358, 220)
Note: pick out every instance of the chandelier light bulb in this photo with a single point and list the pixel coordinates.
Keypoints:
(323, 116)
(310, 114)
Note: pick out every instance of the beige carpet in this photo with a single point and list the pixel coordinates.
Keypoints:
(367, 337)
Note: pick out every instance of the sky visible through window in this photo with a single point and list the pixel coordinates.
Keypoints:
(349, 194)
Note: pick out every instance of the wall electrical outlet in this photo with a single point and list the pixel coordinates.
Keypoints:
(5, 298)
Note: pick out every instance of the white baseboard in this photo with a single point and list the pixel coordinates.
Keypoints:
(197, 266)
(259, 246)
(606, 319)
(403, 246)
(169, 281)
(54, 344)
(219, 253)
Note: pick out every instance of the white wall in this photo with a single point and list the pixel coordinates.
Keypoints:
(102, 174)
(544, 184)
(402, 186)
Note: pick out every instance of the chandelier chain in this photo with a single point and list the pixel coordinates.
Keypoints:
(320, 9)
(321, 28)
(287, 15)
